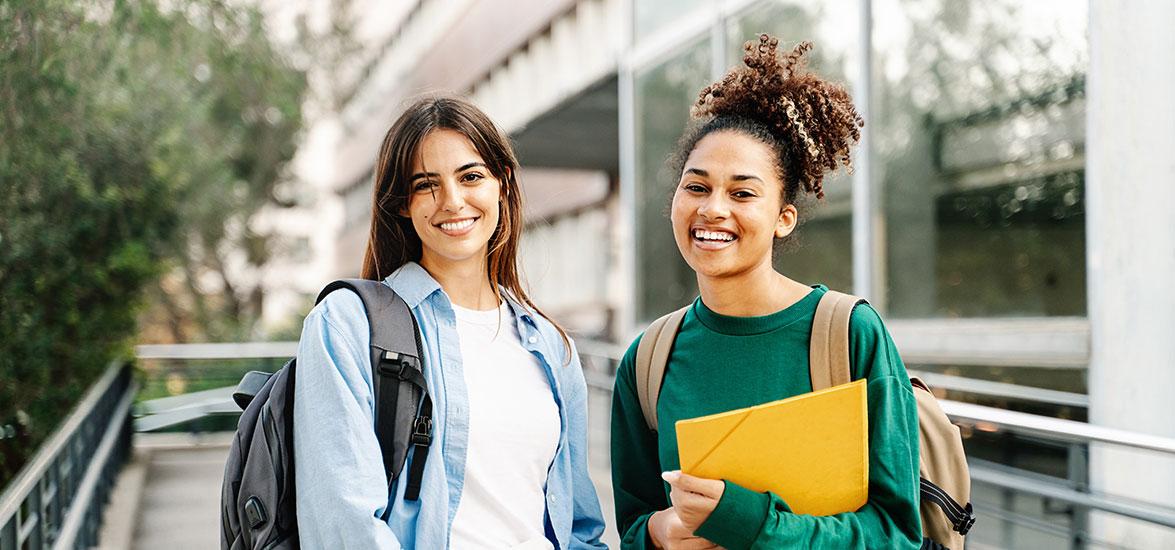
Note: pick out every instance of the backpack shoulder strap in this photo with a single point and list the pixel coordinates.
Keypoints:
(652, 353)
(395, 359)
(828, 352)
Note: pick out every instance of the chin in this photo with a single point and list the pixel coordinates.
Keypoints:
(456, 256)
(711, 268)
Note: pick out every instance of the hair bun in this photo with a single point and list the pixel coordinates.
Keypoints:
(815, 119)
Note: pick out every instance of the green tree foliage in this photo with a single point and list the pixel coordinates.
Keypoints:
(134, 136)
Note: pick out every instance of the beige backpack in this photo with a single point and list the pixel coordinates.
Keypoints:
(944, 520)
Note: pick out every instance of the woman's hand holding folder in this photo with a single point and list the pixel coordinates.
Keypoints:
(693, 500)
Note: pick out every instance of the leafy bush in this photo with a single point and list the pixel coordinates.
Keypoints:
(127, 132)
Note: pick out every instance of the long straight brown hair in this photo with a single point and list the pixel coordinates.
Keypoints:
(393, 241)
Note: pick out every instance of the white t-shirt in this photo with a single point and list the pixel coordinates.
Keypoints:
(513, 436)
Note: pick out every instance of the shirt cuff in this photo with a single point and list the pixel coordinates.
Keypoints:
(738, 518)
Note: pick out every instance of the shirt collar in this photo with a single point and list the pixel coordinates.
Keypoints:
(520, 310)
(413, 283)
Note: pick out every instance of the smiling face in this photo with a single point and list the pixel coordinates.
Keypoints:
(453, 200)
(727, 209)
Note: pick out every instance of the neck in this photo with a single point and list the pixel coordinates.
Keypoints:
(752, 293)
(467, 283)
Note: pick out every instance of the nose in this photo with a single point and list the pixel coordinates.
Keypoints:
(714, 207)
(451, 197)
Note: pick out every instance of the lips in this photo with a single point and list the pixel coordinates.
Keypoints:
(713, 235)
(456, 227)
(712, 238)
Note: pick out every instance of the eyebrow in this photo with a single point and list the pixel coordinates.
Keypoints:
(463, 168)
(736, 177)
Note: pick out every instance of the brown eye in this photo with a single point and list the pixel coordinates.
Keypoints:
(471, 177)
(424, 186)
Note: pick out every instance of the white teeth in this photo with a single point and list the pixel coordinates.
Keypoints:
(713, 235)
(457, 226)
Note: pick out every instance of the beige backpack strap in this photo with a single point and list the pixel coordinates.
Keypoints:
(829, 348)
(652, 353)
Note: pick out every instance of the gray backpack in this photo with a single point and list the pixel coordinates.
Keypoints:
(257, 495)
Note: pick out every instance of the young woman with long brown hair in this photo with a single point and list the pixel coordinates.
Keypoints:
(507, 467)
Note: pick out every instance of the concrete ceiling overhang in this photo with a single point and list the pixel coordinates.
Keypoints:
(581, 132)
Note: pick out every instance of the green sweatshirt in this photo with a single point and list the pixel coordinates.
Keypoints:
(720, 363)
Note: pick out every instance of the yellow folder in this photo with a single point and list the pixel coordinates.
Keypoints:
(812, 449)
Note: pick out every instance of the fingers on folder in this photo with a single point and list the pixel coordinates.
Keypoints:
(711, 488)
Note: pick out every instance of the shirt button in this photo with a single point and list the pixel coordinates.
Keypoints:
(532, 340)
(551, 498)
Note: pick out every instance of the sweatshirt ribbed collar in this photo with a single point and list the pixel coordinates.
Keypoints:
(749, 326)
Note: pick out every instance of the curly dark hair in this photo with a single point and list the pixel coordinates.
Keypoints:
(810, 123)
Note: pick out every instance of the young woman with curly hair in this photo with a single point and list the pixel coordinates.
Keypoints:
(507, 467)
(764, 135)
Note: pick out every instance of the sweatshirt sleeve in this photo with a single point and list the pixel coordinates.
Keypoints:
(342, 488)
(889, 519)
(636, 467)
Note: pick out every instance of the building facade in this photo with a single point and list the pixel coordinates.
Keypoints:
(973, 220)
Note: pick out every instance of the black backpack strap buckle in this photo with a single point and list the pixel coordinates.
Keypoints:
(422, 431)
(967, 521)
(402, 366)
(421, 438)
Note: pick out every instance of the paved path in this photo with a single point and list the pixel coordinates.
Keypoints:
(169, 496)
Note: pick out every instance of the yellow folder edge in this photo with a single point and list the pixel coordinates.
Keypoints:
(812, 450)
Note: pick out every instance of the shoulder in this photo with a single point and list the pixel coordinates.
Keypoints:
(871, 346)
(340, 312)
(865, 321)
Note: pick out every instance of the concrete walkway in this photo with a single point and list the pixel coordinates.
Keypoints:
(169, 495)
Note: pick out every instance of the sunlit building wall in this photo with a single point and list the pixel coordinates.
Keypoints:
(965, 220)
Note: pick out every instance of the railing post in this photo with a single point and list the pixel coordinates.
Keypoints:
(55, 500)
(1079, 478)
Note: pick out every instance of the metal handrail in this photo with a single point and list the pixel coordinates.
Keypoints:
(233, 350)
(55, 501)
(1029, 424)
(600, 358)
(1015, 479)
(993, 419)
(1001, 389)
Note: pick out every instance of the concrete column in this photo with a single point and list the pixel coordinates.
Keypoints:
(1130, 235)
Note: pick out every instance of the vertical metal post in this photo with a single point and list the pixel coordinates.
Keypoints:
(626, 106)
(1079, 478)
(8, 536)
(868, 234)
(718, 44)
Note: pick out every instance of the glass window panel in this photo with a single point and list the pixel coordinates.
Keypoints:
(979, 152)
(664, 94)
(821, 249)
(652, 15)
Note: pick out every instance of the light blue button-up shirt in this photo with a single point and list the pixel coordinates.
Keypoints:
(341, 487)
